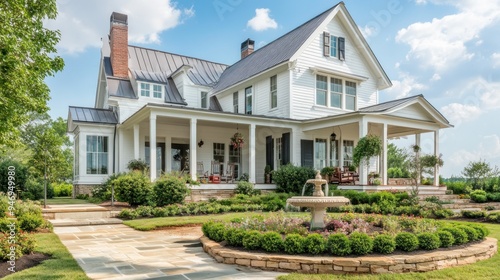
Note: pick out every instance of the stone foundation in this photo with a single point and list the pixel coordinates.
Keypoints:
(400, 181)
(219, 191)
(83, 189)
(421, 261)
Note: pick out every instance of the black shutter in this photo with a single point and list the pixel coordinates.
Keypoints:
(341, 43)
(285, 148)
(326, 43)
(306, 153)
(270, 152)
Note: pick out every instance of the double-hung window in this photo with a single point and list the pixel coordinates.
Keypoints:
(97, 154)
(350, 97)
(333, 46)
(274, 91)
(248, 100)
(145, 88)
(336, 92)
(321, 90)
(235, 102)
(204, 100)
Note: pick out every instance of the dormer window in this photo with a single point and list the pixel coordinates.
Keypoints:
(151, 90)
(204, 100)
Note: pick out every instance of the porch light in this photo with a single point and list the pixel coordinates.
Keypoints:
(200, 143)
(333, 136)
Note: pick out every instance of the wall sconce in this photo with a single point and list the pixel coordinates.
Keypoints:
(333, 136)
(200, 143)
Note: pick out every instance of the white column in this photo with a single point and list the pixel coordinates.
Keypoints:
(168, 154)
(363, 174)
(384, 154)
(152, 147)
(136, 141)
(341, 151)
(120, 166)
(417, 142)
(251, 160)
(192, 149)
(295, 147)
(436, 153)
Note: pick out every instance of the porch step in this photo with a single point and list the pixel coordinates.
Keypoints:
(457, 211)
(84, 222)
(77, 211)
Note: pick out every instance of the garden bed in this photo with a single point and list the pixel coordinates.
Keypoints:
(419, 261)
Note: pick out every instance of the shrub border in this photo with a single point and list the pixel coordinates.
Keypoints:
(374, 264)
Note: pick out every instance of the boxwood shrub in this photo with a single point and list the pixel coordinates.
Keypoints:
(458, 234)
(384, 244)
(315, 243)
(446, 238)
(406, 241)
(472, 234)
(252, 240)
(294, 244)
(428, 241)
(361, 243)
(133, 188)
(272, 242)
(482, 231)
(338, 244)
(170, 190)
(478, 196)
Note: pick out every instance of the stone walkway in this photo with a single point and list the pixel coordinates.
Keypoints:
(120, 252)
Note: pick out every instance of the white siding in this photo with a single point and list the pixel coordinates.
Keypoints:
(304, 80)
(413, 112)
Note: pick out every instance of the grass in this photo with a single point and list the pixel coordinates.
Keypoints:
(60, 266)
(157, 223)
(65, 200)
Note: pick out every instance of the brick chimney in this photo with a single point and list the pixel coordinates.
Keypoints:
(247, 48)
(119, 44)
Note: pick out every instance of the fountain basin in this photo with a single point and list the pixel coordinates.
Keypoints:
(318, 205)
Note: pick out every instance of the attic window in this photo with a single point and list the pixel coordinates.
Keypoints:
(151, 90)
(333, 46)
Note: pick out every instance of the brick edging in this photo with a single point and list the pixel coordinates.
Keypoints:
(412, 262)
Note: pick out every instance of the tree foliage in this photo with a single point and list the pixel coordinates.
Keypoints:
(396, 157)
(27, 57)
(477, 172)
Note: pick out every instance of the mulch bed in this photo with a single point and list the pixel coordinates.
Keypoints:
(25, 262)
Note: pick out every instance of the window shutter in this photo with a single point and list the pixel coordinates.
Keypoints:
(341, 47)
(270, 152)
(326, 43)
(285, 148)
(306, 153)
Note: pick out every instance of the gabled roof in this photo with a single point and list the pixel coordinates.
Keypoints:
(157, 66)
(386, 106)
(92, 115)
(272, 54)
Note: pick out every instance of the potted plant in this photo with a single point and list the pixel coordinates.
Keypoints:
(368, 147)
(327, 172)
(237, 141)
(267, 174)
(137, 165)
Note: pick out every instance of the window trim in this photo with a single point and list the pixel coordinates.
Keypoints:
(329, 92)
(325, 91)
(144, 90)
(249, 94)
(236, 100)
(273, 91)
(97, 154)
(155, 91)
(334, 46)
(150, 91)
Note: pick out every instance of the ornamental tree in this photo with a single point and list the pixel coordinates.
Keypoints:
(27, 57)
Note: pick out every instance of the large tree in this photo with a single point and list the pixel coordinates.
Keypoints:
(476, 172)
(27, 57)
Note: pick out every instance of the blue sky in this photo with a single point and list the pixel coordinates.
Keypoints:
(447, 50)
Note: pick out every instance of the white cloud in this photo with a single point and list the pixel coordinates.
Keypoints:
(441, 42)
(487, 149)
(84, 23)
(368, 30)
(458, 113)
(496, 59)
(436, 77)
(262, 21)
(404, 87)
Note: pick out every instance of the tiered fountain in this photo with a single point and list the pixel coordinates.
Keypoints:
(318, 202)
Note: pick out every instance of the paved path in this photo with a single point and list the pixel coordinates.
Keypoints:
(120, 252)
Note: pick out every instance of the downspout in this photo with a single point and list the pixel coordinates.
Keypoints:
(114, 167)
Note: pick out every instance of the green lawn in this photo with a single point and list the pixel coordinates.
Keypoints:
(60, 266)
(65, 200)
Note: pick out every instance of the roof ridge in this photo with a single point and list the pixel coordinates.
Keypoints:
(102, 109)
(186, 56)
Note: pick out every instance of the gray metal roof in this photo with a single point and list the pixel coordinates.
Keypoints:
(172, 95)
(92, 115)
(386, 106)
(157, 66)
(272, 54)
(214, 104)
(120, 87)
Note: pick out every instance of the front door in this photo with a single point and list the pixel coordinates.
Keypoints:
(180, 157)
(160, 155)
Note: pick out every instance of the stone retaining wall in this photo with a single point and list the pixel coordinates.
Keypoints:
(413, 262)
(83, 189)
(400, 181)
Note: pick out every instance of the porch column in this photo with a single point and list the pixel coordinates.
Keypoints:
(363, 175)
(341, 152)
(192, 149)
(120, 165)
(152, 147)
(251, 148)
(136, 141)
(295, 147)
(436, 153)
(384, 155)
(417, 142)
(168, 154)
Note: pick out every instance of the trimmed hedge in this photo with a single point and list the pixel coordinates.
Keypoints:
(384, 244)
(294, 244)
(428, 241)
(338, 244)
(272, 242)
(361, 243)
(446, 238)
(315, 243)
(406, 241)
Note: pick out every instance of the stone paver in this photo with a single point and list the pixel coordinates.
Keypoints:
(120, 252)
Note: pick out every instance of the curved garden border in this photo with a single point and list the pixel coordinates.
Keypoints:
(412, 262)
